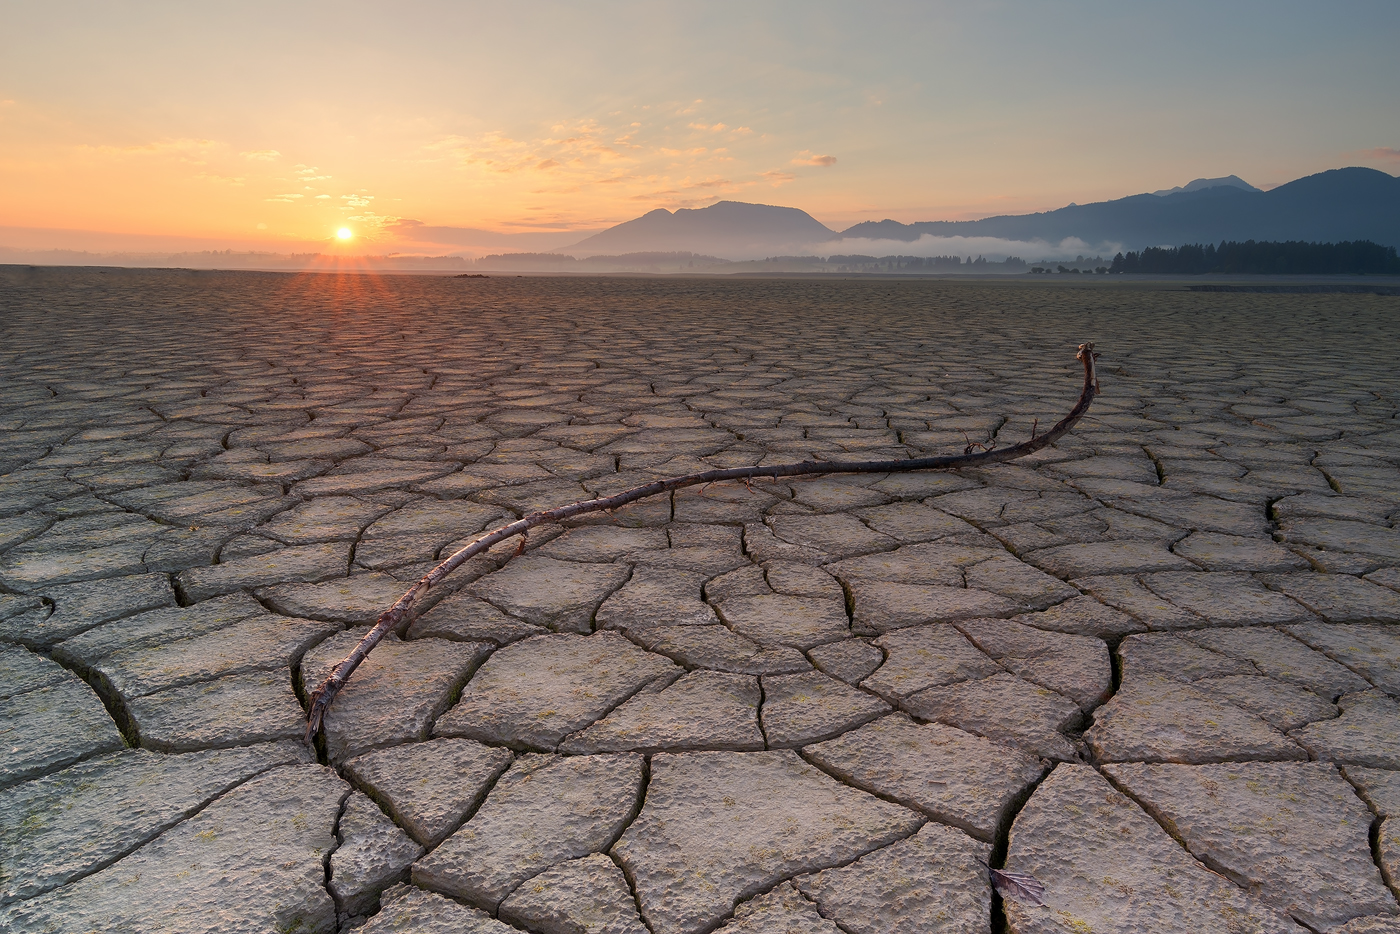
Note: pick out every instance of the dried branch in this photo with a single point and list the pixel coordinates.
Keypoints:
(400, 613)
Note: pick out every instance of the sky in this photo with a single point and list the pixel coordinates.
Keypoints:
(467, 127)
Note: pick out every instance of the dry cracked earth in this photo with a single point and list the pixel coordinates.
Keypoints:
(1156, 667)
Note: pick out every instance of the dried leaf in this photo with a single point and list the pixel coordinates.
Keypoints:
(1018, 885)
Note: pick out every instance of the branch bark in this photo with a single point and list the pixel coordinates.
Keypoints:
(401, 612)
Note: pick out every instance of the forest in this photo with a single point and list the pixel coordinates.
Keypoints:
(1291, 257)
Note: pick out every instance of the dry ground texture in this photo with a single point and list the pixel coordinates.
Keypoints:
(1157, 666)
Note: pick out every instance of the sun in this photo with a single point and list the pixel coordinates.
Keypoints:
(345, 233)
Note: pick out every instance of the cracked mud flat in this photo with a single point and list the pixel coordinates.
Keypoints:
(1157, 666)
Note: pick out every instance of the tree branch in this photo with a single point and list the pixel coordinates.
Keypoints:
(401, 612)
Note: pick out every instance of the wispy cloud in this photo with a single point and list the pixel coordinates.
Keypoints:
(376, 221)
(261, 155)
(1382, 153)
(723, 184)
(673, 156)
(192, 151)
(574, 147)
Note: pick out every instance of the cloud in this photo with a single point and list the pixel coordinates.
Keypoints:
(613, 160)
(261, 155)
(1383, 153)
(191, 151)
(721, 183)
(579, 148)
(378, 221)
(286, 199)
(806, 157)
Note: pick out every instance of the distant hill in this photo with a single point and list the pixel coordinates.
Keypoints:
(731, 229)
(1341, 204)
(1338, 205)
(1231, 181)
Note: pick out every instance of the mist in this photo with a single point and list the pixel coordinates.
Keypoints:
(469, 241)
(993, 248)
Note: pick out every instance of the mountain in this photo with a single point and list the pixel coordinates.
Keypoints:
(1232, 181)
(1340, 204)
(731, 229)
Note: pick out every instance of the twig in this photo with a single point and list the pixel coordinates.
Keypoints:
(977, 444)
(399, 614)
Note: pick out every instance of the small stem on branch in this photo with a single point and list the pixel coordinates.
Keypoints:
(401, 612)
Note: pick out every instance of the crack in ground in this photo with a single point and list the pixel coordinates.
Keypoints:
(1374, 836)
(111, 698)
(802, 373)
(617, 860)
(155, 832)
(339, 840)
(840, 864)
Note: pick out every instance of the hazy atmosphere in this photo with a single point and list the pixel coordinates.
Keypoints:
(705, 468)
(465, 128)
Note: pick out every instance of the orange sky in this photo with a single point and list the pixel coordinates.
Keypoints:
(267, 127)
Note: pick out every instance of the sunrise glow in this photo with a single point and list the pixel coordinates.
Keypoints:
(122, 133)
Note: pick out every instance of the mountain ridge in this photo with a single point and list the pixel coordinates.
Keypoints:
(1232, 181)
(1339, 204)
(735, 225)
(1336, 205)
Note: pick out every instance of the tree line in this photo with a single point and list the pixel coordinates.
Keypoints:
(1292, 257)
